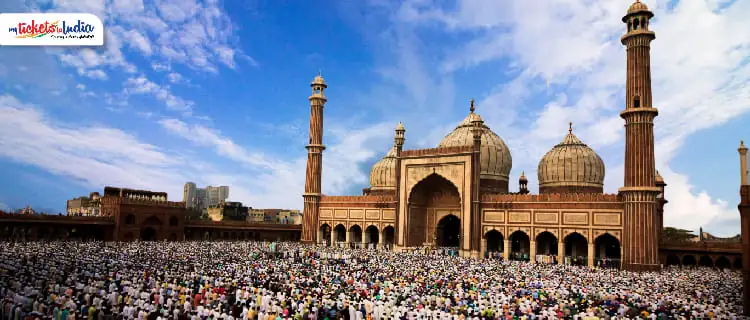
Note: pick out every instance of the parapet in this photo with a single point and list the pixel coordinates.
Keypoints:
(436, 151)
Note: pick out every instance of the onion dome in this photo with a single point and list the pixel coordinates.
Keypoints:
(637, 6)
(383, 173)
(318, 80)
(571, 166)
(495, 160)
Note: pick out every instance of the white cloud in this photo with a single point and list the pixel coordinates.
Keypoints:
(175, 77)
(276, 182)
(142, 85)
(93, 74)
(96, 156)
(128, 7)
(139, 41)
(4, 207)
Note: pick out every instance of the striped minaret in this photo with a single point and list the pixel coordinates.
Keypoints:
(315, 149)
(640, 217)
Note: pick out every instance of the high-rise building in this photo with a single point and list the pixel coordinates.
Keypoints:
(216, 194)
(203, 198)
(189, 195)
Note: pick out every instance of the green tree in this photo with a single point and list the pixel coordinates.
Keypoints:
(675, 234)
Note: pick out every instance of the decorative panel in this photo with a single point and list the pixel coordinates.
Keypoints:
(606, 219)
(546, 217)
(326, 213)
(389, 214)
(494, 216)
(356, 213)
(519, 217)
(341, 213)
(372, 214)
(581, 218)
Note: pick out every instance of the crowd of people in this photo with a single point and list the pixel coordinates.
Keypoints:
(254, 280)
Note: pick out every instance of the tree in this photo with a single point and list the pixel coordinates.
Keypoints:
(679, 235)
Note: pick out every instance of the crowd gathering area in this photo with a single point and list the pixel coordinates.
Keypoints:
(258, 280)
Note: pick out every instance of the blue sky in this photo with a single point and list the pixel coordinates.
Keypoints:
(215, 92)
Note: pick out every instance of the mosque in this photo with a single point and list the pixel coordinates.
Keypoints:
(456, 195)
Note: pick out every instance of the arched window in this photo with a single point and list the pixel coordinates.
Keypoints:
(636, 102)
(130, 219)
(636, 24)
(173, 221)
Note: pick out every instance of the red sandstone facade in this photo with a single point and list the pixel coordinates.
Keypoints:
(440, 196)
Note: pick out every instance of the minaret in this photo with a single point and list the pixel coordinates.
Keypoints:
(523, 184)
(744, 208)
(661, 201)
(398, 141)
(476, 216)
(639, 241)
(315, 149)
(743, 163)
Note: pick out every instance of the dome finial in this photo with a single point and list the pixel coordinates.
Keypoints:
(570, 127)
(471, 108)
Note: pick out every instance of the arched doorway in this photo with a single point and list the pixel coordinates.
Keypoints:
(576, 249)
(148, 234)
(495, 243)
(448, 231)
(723, 262)
(673, 260)
(431, 195)
(706, 261)
(372, 237)
(324, 234)
(389, 235)
(546, 247)
(519, 246)
(339, 233)
(355, 236)
(607, 251)
(689, 260)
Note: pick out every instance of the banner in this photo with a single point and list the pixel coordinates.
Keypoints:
(50, 29)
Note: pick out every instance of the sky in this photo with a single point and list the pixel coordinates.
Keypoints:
(215, 92)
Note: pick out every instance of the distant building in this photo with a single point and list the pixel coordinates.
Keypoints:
(289, 217)
(27, 210)
(201, 199)
(189, 195)
(255, 215)
(228, 211)
(282, 216)
(85, 206)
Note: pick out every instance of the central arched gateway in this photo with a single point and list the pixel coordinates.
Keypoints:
(431, 201)
(448, 231)
(148, 234)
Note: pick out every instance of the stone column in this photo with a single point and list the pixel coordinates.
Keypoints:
(532, 251)
(591, 255)
(381, 238)
(506, 249)
(483, 248)
(365, 241)
(348, 238)
(560, 252)
(333, 237)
